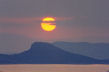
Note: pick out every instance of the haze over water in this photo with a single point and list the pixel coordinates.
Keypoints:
(53, 68)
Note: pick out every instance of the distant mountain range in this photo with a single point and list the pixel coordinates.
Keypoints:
(46, 53)
(94, 50)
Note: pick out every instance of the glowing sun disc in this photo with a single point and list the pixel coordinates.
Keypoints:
(48, 19)
(48, 24)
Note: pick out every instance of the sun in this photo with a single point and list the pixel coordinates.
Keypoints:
(48, 19)
(48, 24)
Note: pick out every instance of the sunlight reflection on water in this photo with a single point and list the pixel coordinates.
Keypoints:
(53, 68)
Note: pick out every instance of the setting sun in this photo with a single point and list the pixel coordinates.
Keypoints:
(48, 24)
(48, 19)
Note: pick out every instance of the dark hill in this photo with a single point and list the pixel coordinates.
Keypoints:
(45, 53)
(94, 50)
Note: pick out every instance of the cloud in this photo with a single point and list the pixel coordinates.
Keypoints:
(19, 20)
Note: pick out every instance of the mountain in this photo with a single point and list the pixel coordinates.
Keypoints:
(46, 53)
(94, 50)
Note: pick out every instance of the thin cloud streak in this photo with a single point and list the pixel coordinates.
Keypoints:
(19, 20)
(36, 19)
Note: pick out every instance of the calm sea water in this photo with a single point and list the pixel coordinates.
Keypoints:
(53, 68)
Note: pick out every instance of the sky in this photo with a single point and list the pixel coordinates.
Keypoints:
(19, 26)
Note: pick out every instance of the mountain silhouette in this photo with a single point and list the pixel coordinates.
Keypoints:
(46, 53)
(94, 50)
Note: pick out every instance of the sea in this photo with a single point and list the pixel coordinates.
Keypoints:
(53, 68)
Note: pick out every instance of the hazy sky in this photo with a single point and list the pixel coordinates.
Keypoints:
(89, 23)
